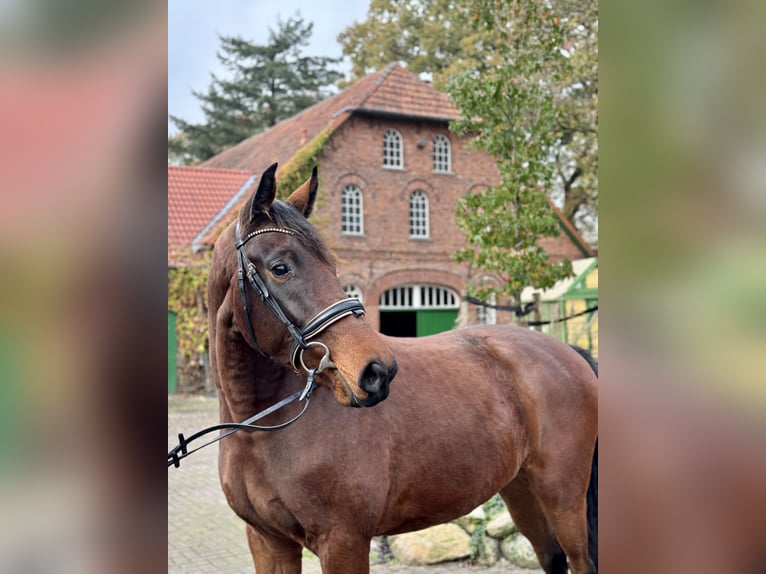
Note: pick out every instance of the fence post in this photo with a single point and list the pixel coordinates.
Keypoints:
(536, 315)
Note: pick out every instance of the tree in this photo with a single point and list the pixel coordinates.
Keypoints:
(510, 109)
(576, 155)
(266, 84)
(432, 36)
(177, 151)
(439, 37)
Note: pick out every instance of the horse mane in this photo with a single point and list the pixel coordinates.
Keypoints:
(286, 215)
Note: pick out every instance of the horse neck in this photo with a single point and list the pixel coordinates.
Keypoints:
(250, 382)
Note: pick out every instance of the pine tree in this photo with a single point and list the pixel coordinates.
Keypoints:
(266, 84)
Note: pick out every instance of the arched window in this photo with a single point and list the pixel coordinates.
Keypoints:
(418, 297)
(442, 154)
(418, 214)
(393, 155)
(353, 291)
(352, 211)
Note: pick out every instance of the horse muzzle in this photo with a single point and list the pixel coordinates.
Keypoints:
(375, 380)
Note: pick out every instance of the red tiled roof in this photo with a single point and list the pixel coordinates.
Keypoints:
(195, 196)
(401, 92)
(392, 90)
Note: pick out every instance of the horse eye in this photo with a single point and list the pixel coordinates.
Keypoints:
(280, 269)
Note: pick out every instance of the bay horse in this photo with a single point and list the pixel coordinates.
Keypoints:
(452, 418)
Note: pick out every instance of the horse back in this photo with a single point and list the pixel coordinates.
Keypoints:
(499, 362)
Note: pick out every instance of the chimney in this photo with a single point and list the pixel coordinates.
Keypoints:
(304, 136)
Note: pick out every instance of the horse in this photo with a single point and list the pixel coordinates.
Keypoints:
(401, 433)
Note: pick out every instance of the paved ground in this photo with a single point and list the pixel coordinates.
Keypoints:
(206, 537)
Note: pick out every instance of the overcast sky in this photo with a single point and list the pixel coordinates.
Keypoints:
(194, 26)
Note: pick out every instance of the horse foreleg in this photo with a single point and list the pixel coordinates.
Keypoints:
(344, 554)
(273, 555)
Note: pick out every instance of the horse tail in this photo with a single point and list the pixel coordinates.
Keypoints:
(592, 501)
(592, 493)
(585, 354)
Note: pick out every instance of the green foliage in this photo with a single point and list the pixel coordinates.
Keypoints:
(493, 506)
(447, 38)
(477, 540)
(187, 297)
(178, 154)
(298, 169)
(432, 36)
(510, 110)
(266, 84)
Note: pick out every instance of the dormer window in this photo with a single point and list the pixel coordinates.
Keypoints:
(442, 154)
(393, 153)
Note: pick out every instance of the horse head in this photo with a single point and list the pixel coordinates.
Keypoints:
(287, 302)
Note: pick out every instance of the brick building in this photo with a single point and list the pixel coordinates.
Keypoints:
(390, 176)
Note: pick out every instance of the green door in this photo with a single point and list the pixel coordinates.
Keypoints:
(171, 352)
(432, 321)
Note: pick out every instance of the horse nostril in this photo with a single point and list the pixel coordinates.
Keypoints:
(374, 377)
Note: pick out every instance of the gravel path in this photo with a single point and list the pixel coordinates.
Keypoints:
(205, 536)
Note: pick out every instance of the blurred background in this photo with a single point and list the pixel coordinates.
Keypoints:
(683, 259)
(82, 181)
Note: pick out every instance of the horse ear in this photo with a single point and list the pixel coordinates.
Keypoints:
(264, 196)
(303, 197)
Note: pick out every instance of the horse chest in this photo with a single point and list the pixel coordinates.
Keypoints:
(254, 496)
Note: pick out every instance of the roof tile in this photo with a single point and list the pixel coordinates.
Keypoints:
(195, 196)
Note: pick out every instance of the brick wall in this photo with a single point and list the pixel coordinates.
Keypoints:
(385, 256)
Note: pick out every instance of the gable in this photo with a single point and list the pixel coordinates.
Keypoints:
(392, 90)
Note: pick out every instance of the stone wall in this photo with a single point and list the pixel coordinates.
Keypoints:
(485, 536)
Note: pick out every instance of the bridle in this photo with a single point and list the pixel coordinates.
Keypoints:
(301, 337)
(302, 340)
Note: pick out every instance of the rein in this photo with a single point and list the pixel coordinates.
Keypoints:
(181, 451)
(302, 341)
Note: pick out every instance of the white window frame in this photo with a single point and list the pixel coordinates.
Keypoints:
(354, 291)
(393, 150)
(352, 211)
(442, 154)
(419, 215)
(410, 297)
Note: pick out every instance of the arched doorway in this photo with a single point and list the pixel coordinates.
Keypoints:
(418, 310)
